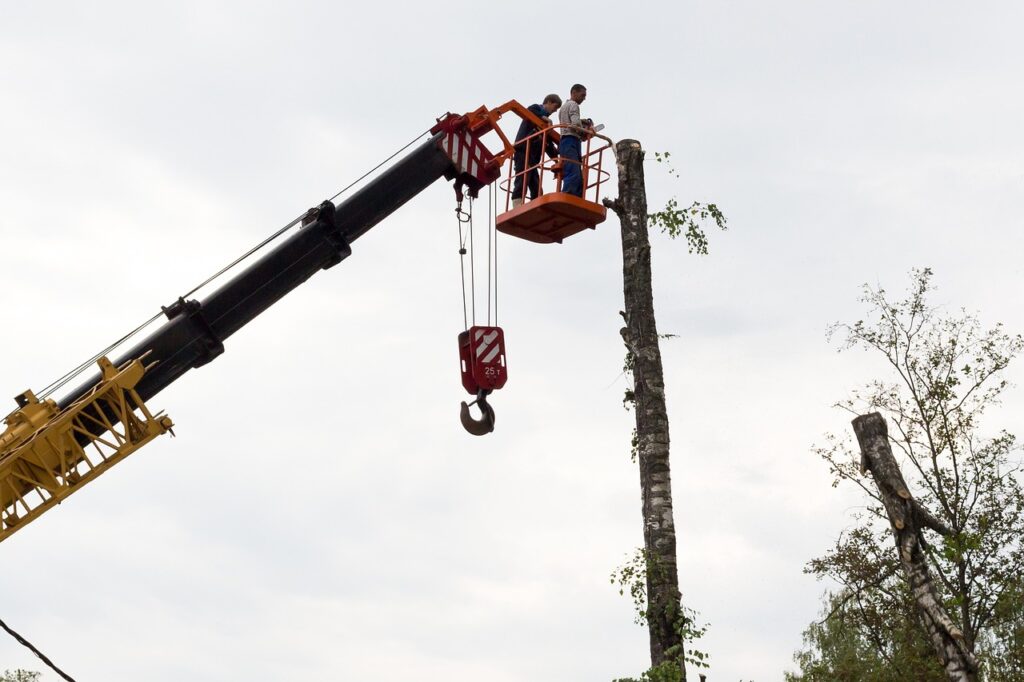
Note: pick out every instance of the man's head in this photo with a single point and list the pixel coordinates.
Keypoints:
(578, 93)
(551, 103)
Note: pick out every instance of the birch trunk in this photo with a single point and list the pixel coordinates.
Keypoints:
(641, 338)
(908, 520)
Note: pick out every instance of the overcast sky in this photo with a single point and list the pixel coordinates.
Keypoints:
(321, 514)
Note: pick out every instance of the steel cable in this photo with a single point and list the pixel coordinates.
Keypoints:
(66, 378)
(494, 223)
(472, 263)
(489, 208)
(462, 263)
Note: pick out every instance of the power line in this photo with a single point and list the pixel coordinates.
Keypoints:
(36, 651)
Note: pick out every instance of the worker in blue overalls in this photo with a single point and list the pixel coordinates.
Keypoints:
(573, 131)
(527, 152)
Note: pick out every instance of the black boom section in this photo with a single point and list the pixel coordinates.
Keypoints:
(195, 331)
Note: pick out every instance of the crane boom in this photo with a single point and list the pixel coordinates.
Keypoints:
(50, 449)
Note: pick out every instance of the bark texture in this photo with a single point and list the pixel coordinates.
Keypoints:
(641, 338)
(908, 520)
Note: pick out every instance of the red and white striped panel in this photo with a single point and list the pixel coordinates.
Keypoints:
(486, 347)
(469, 155)
(486, 350)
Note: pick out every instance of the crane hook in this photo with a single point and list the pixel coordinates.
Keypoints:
(482, 426)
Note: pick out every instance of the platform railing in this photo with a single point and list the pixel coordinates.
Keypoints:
(591, 166)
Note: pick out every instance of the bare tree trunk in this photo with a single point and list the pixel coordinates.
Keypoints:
(664, 611)
(908, 519)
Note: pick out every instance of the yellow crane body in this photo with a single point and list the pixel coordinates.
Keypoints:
(46, 453)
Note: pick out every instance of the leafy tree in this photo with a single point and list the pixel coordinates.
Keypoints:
(839, 649)
(686, 222)
(632, 577)
(20, 675)
(945, 372)
(1003, 647)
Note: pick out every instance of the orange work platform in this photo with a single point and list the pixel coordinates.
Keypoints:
(553, 215)
(551, 218)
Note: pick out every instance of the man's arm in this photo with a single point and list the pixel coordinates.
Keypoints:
(551, 149)
(539, 111)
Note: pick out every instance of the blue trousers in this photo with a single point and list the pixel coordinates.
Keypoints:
(572, 174)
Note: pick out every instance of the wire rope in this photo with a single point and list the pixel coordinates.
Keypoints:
(461, 218)
(494, 222)
(69, 376)
(489, 209)
(472, 264)
(62, 381)
(299, 218)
